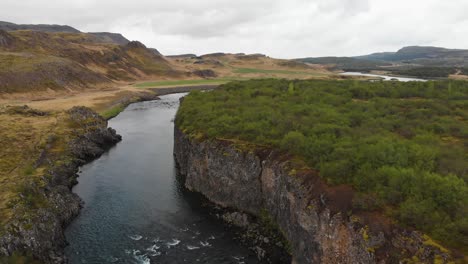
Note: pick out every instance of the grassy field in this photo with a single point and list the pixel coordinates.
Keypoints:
(170, 83)
(240, 74)
(23, 137)
(263, 71)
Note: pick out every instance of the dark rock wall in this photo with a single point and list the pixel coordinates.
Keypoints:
(313, 217)
(244, 181)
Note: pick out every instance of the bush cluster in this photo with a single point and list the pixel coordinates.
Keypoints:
(402, 146)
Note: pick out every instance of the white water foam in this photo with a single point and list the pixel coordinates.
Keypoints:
(136, 237)
(153, 251)
(113, 259)
(205, 244)
(240, 260)
(143, 259)
(192, 247)
(173, 243)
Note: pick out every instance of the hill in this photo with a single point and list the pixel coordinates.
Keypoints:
(7, 26)
(228, 66)
(103, 37)
(106, 37)
(424, 56)
(421, 61)
(39, 61)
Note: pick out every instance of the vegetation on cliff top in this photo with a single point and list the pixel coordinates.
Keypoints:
(33, 142)
(403, 146)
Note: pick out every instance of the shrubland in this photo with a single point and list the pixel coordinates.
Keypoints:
(402, 146)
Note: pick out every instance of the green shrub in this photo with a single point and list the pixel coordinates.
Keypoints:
(403, 144)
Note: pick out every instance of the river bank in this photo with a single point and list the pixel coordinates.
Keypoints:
(135, 208)
(46, 161)
(45, 204)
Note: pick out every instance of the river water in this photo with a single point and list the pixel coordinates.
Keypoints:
(135, 209)
(384, 77)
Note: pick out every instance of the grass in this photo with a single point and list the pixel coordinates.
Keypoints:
(22, 139)
(17, 258)
(112, 112)
(182, 83)
(253, 71)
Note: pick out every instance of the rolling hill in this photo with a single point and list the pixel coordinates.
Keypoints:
(425, 56)
(32, 60)
(426, 61)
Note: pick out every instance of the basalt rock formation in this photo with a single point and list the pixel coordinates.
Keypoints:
(313, 217)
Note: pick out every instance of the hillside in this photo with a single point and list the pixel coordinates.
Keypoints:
(424, 56)
(223, 67)
(112, 38)
(40, 61)
(7, 26)
(103, 37)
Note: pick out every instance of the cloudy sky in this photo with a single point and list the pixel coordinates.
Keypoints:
(279, 28)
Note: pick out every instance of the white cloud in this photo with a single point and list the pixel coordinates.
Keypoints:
(288, 29)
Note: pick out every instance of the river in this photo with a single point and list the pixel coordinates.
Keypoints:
(135, 210)
(384, 77)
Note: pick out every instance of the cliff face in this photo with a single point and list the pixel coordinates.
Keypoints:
(246, 182)
(40, 231)
(309, 213)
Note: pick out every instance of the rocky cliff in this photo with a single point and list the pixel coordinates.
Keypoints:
(37, 227)
(315, 218)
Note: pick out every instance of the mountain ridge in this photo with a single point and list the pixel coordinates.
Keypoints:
(40, 61)
(420, 61)
(104, 37)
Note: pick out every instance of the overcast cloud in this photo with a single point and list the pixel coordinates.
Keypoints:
(279, 28)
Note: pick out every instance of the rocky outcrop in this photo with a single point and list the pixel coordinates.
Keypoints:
(316, 219)
(40, 231)
(205, 73)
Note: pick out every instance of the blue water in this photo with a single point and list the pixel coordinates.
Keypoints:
(135, 209)
(384, 77)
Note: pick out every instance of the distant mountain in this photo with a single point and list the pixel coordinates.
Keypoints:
(411, 57)
(423, 55)
(379, 56)
(7, 26)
